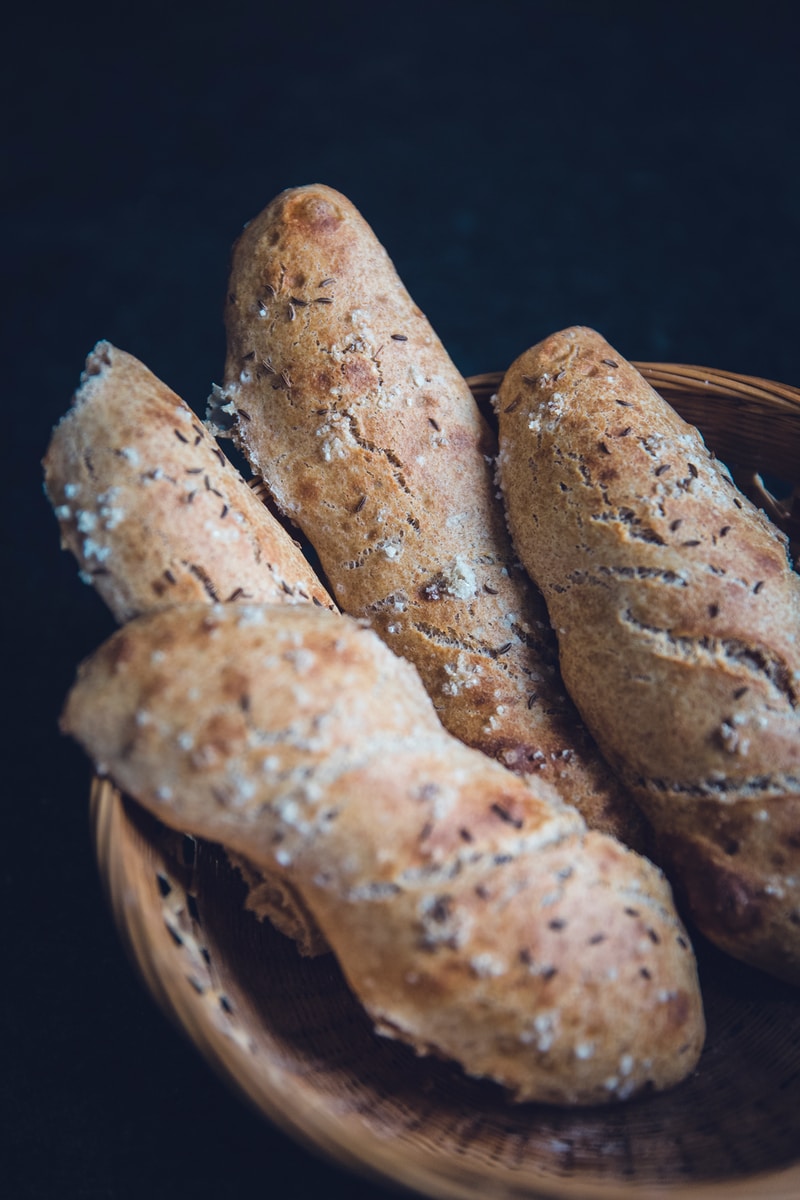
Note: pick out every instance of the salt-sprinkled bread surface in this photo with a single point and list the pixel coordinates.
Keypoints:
(678, 619)
(370, 440)
(155, 515)
(150, 506)
(471, 912)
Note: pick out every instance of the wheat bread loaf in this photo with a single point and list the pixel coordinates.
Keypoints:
(156, 515)
(348, 406)
(678, 620)
(471, 911)
(150, 506)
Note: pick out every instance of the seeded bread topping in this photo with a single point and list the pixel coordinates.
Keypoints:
(471, 911)
(150, 506)
(344, 400)
(678, 619)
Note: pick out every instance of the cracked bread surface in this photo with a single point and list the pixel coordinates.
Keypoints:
(369, 439)
(471, 911)
(678, 618)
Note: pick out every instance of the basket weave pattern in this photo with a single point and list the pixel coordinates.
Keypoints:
(288, 1034)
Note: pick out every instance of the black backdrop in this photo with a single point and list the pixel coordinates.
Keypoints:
(528, 165)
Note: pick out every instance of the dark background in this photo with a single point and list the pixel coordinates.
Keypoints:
(528, 165)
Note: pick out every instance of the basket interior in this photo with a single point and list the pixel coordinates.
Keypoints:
(289, 1035)
(287, 1032)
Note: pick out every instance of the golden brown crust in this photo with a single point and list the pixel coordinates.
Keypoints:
(371, 441)
(471, 911)
(678, 617)
(151, 508)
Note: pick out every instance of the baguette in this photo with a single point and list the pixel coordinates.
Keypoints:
(156, 515)
(150, 506)
(369, 439)
(471, 911)
(678, 619)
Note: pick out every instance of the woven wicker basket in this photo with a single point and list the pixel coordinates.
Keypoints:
(289, 1035)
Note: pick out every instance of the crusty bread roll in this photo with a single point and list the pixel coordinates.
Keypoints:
(150, 506)
(471, 911)
(370, 440)
(678, 619)
(156, 515)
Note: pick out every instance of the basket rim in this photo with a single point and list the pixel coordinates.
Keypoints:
(121, 853)
(709, 381)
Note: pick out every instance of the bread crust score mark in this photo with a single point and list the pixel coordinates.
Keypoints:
(678, 618)
(343, 399)
(472, 913)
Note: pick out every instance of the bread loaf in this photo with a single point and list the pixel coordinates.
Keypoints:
(150, 506)
(369, 439)
(471, 912)
(678, 620)
(156, 515)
